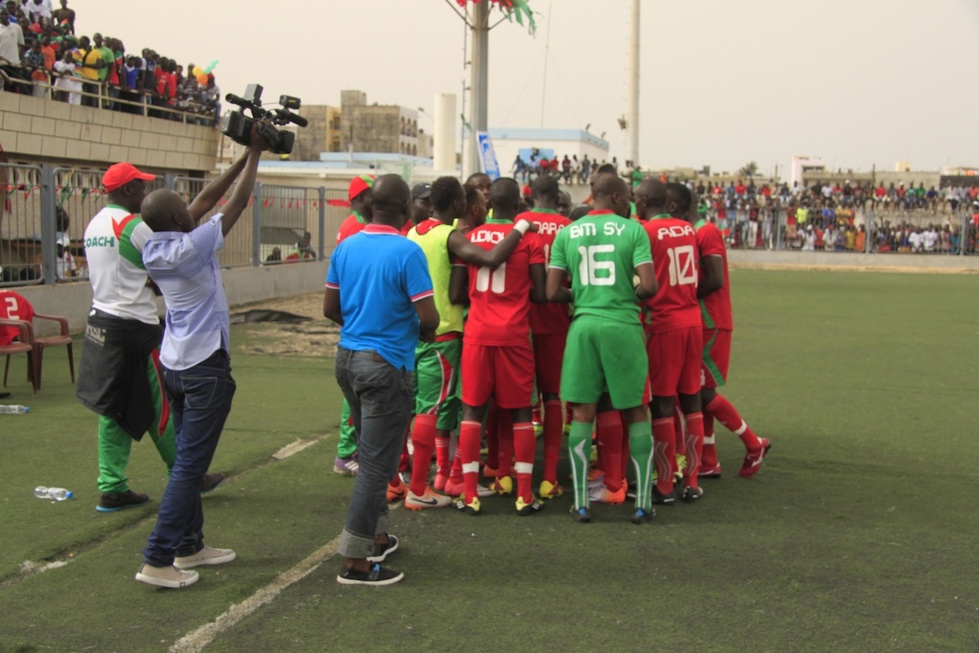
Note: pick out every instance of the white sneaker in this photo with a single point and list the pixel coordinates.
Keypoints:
(429, 499)
(206, 556)
(166, 576)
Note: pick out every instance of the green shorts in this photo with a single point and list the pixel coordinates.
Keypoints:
(604, 354)
(437, 381)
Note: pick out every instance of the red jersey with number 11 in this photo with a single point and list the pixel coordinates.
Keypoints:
(499, 308)
(674, 247)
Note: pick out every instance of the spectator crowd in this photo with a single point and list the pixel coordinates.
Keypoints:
(41, 55)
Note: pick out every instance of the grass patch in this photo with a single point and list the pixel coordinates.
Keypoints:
(856, 535)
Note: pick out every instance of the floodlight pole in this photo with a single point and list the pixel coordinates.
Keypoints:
(632, 117)
(479, 87)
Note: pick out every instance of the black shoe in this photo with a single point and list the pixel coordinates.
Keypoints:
(581, 515)
(382, 551)
(663, 499)
(692, 494)
(119, 500)
(377, 575)
(211, 482)
(4, 395)
(640, 516)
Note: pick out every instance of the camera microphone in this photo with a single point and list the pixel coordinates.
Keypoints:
(294, 118)
(236, 100)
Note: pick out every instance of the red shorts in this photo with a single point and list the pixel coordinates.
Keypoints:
(674, 361)
(548, 356)
(506, 372)
(716, 357)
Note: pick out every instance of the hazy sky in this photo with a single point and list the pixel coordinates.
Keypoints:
(856, 82)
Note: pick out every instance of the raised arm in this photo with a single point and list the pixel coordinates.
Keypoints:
(214, 191)
(460, 246)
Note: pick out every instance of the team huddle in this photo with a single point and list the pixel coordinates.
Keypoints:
(623, 314)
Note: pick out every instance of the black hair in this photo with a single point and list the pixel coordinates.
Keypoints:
(680, 194)
(546, 186)
(445, 191)
(505, 194)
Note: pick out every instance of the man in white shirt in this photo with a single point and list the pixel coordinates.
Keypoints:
(11, 42)
(929, 238)
(181, 258)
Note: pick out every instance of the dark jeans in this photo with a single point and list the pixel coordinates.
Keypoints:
(200, 400)
(381, 399)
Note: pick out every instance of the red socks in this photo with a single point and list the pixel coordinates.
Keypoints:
(610, 439)
(524, 445)
(695, 444)
(708, 457)
(553, 427)
(423, 437)
(469, 450)
(729, 417)
(664, 453)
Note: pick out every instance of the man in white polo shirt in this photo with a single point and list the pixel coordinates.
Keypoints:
(181, 258)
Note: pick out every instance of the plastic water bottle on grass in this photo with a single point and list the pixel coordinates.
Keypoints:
(55, 493)
(11, 409)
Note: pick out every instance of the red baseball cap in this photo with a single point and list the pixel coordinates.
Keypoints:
(358, 185)
(120, 174)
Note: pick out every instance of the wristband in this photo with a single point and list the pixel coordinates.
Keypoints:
(522, 226)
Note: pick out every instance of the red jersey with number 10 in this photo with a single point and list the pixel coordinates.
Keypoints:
(716, 307)
(499, 300)
(547, 318)
(674, 247)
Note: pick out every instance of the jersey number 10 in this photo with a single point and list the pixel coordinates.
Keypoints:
(682, 268)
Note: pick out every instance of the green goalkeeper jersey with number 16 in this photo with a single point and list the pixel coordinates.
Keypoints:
(600, 252)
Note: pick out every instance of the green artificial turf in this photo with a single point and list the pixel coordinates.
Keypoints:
(857, 535)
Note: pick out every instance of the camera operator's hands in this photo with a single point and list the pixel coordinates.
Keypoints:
(256, 139)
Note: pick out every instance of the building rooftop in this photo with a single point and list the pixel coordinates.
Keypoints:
(576, 135)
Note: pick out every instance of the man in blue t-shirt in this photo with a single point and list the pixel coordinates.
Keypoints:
(379, 291)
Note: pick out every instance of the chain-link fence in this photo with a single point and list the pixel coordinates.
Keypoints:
(45, 211)
(920, 231)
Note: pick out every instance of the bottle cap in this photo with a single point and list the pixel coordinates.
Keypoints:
(69, 494)
(27, 409)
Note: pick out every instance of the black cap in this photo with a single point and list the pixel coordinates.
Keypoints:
(421, 191)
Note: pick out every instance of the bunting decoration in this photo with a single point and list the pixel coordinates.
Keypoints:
(517, 10)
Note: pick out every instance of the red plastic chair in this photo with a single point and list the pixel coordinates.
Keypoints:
(25, 345)
(62, 339)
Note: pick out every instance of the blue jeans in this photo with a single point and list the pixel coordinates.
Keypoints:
(380, 398)
(200, 400)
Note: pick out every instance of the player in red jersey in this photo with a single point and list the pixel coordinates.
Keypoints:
(497, 358)
(549, 325)
(714, 292)
(674, 339)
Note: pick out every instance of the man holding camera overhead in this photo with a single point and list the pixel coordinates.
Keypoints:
(181, 258)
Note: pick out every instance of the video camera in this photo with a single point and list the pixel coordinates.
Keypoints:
(238, 127)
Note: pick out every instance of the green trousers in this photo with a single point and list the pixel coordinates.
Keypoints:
(348, 435)
(115, 443)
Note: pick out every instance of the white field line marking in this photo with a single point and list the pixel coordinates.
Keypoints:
(292, 449)
(196, 640)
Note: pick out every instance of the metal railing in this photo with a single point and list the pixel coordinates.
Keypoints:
(45, 211)
(93, 94)
(848, 230)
